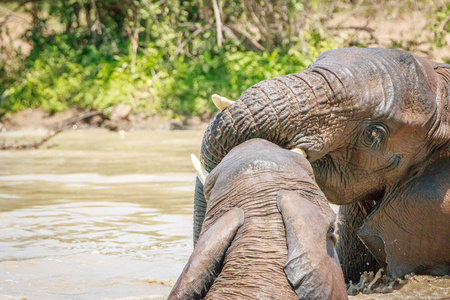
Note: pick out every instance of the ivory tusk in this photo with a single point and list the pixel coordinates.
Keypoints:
(201, 172)
(300, 151)
(221, 102)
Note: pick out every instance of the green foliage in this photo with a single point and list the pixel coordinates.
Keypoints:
(439, 24)
(225, 73)
(62, 77)
(158, 57)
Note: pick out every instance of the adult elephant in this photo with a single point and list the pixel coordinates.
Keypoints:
(371, 122)
(268, 231)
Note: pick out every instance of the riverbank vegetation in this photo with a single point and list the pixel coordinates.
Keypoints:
(168, 57)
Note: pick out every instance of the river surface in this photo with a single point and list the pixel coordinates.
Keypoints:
(101, 215)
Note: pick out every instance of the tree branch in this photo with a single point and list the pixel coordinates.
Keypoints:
(369, 30)
(218, 23)
(52, 134)
(242, 37)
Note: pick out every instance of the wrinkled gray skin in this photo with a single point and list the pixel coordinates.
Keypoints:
(425, 213)
(268, 231)
(373, 122)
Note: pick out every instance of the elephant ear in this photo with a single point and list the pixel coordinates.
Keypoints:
(206, 261)
(312, 266)
(440, 133)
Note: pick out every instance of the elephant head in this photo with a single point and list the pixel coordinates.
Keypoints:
(366, 118)
(268, 231)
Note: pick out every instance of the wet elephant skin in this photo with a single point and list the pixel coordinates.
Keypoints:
(369, 120)
(420, 243)
(284, 243)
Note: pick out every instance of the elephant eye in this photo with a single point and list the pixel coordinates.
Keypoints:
(374, 136)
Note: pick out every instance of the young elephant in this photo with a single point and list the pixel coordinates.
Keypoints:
(268, 231)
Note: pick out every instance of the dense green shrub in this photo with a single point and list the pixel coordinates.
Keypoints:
(157, 56)
(62, 77)
(167, 57)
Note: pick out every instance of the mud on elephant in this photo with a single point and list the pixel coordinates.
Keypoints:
(373, 123)
(268, 231)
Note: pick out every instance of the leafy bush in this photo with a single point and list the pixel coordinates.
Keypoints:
(62, 77)
(439, 24)
(157, 56)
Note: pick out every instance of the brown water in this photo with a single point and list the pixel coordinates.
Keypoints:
(416, 288)
(98, 214)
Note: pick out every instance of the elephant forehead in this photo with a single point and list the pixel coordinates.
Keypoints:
(258, 167)
(259, 154)
(383, 83)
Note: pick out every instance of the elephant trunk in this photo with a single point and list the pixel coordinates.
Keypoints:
(288, 111)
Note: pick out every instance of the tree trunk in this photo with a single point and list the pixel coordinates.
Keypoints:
(218, 22)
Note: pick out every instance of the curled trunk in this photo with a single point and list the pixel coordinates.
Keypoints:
(286, 110)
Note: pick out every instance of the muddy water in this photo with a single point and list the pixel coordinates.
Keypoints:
(98, 215)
